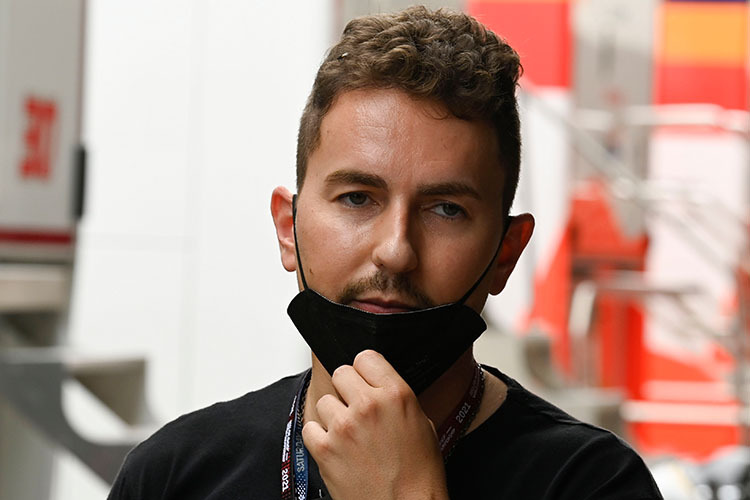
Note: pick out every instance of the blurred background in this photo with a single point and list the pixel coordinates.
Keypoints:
(139, 272)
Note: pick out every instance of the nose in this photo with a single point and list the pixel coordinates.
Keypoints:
(394, 250)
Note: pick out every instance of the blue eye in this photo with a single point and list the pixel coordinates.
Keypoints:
(448, 210)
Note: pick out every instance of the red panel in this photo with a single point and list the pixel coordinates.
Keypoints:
(619, 331)
(552, 302)
(539, 31)
(690, 441)
(712, 365)
(636, 349)
(725, 86)
(611, 330)
(596, 230)
(599, 249)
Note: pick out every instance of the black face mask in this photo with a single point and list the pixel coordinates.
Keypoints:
(421, 345)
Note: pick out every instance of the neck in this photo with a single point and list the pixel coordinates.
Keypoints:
(437, 401)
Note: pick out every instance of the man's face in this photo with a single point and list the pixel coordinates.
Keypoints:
(401, 204)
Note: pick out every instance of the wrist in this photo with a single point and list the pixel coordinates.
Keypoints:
(431, 491)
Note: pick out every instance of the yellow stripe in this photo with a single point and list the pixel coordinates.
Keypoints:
(710, 33)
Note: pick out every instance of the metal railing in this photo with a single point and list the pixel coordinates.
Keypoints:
(706, 224)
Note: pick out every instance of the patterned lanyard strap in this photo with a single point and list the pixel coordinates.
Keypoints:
(294, 481)
(294, 478)
(455, 426)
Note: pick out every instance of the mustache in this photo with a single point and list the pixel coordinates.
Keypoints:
(383, 282)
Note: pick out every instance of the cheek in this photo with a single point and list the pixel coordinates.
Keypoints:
(454, 267)
(331, 252)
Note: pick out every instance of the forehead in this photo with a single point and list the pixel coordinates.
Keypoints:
(389, 133)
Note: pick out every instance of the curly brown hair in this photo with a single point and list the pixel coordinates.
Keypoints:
(441, 55)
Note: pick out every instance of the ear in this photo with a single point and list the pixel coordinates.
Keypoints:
(283, 219)
(517, 236)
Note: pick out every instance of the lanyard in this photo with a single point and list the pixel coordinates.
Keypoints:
(294, 482)
(455, 426)
(294, 479)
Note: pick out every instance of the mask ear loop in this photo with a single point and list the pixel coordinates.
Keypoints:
(296, 246)
(489, 266)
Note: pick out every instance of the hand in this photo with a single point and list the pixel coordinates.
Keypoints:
(375, 441)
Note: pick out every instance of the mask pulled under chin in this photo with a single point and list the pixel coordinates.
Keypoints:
(421, 345)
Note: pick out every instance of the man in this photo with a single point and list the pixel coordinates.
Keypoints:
(408, 157)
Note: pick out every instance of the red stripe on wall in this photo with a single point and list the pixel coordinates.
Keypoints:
(47, 238)
(539, 31)
(697, 442)
(725, 86)
(550, 310)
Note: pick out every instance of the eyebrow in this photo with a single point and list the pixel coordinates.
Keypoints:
(437, 189)
(449, 189)
(354, 177)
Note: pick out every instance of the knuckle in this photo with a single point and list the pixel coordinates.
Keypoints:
(366, 407)
(313, 440)
(323, 449)
(308, 435)
(318, 443)
(399, 393)
(324, 400)
(366, 356)
(340, 371)
(344, 425)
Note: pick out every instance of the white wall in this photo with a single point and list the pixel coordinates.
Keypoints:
(191, 111)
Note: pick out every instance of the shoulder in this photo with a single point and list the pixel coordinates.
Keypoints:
(532, 417)
(562, 456)
(255, 412)
(220, 436)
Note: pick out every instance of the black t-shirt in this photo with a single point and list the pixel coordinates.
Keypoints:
(527, 450)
